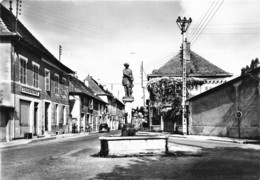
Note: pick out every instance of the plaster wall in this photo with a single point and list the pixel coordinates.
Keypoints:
(5, 74)
(215, 113)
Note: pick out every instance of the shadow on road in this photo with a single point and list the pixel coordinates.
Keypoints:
(218, 163)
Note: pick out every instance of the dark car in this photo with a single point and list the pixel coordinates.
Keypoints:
(104, 127)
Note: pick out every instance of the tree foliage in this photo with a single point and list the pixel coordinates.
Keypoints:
(166, 94)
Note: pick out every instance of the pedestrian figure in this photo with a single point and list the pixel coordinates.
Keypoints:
(128, 80)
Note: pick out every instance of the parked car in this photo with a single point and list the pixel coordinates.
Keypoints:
(104, 127)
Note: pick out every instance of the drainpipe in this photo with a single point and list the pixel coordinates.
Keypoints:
(13, 61)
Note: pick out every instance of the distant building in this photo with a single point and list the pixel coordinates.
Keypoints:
(231, 109)
(197, 67)
(33, 84)
(87, 111)
(115, 108)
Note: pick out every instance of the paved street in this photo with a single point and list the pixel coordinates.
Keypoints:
(75, 158)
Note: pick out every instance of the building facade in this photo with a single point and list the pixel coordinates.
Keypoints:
(87, 111)
(34, 85)
(231, 109)
(115, 108)
(197, 67)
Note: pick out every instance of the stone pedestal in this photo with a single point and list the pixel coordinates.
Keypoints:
(128, 107)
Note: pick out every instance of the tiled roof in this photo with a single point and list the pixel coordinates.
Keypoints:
(80, 87)
(93, 85)
(8, 22)
(196, 67)
(99, 89)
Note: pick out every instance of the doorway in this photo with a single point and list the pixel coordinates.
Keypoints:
(46, 120)
(35, 123)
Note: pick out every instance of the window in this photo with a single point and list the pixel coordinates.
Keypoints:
(47, 80)
(91, 104)
(56, 84)
(35, 75)
(23, 69)
(63, 86)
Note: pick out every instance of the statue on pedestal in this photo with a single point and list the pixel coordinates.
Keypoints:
(128, 80)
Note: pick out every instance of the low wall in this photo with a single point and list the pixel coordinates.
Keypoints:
(130, 145)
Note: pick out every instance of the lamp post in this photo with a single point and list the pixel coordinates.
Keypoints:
(184, 24)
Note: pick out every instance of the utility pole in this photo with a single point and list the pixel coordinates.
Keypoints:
(18, 11)
(142, 84)
(184, 25)
(60, 52)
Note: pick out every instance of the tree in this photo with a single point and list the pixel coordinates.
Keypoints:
(166, 95)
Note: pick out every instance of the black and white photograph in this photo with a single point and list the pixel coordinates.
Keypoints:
(129, 89)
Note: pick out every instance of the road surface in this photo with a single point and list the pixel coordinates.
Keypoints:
(76, 158)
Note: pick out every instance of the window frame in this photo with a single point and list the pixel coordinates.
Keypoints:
(23, 77)
(56, 83)
(35, 80)
(63, 86)
(45, 79)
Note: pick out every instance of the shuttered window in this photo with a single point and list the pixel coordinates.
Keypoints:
(56, 84)
(47, 80)
(23, 71)
(35, 75)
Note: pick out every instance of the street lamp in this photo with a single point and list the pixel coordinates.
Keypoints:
(184, 24)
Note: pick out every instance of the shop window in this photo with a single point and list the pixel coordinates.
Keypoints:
(56, 84)
(47, 80)
(35, 75)
(23, 70)
(24, 113)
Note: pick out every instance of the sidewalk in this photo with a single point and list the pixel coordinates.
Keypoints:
(19, 142)
(215, 138)
(200, 137)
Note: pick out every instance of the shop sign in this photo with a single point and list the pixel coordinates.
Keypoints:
(32, 92)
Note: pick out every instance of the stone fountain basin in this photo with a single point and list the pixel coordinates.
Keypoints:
(133, 145)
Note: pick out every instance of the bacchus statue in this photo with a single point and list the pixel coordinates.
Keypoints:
(128, 80)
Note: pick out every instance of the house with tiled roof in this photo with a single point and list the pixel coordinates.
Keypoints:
(33, 84)
(197, 67)
(115, 108)
(87, 111)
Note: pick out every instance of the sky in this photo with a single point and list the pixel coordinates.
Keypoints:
(98, 37)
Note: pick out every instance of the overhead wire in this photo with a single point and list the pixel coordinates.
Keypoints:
(80, 23)
(200, 34)
(70, 24)
(197, 26)
(199, 29)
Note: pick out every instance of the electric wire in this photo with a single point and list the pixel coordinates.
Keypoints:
(196, 28)
(205, 21)
(193, 43)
